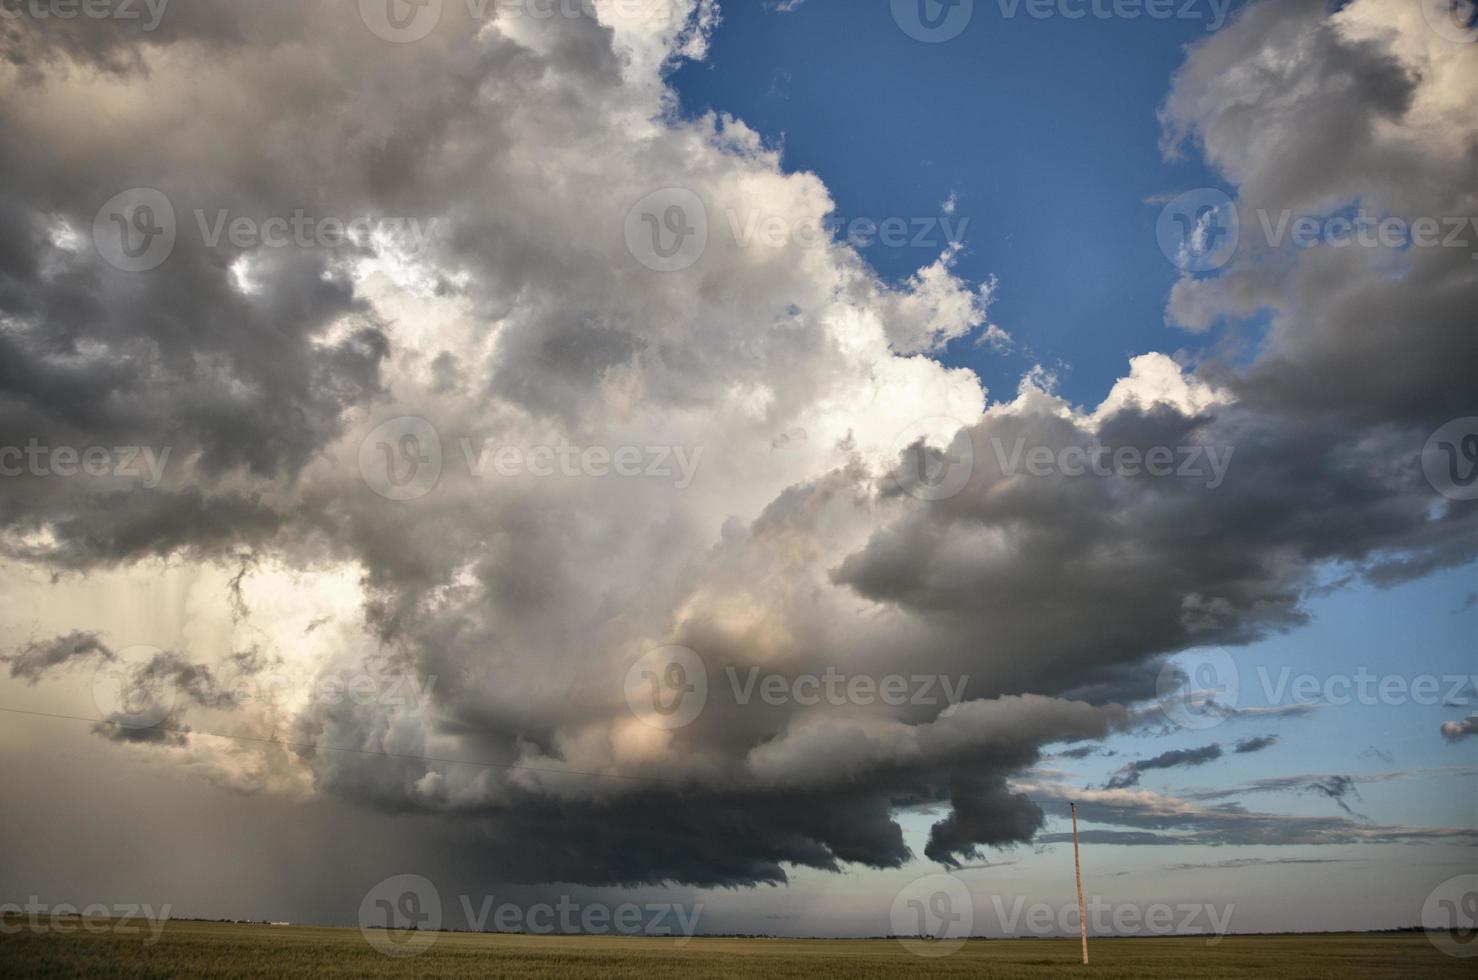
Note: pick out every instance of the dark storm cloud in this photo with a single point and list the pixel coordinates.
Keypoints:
(137, 680)
(113, 526)
(1130, 774)
(1117, 570)
(984, 814)
(1362, 117)
(1255, 744)
(741, 839)
(195, 682)
(803, 803)
(117, 42)
(34, 660)
(119, 727)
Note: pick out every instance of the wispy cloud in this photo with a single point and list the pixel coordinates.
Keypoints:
(1234, 863)
(1331, 785)
(1456, 731)
(1151, 719)
(1162, 819)
(1129, 775)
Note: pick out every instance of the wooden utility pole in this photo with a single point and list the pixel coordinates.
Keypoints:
(1078, 869)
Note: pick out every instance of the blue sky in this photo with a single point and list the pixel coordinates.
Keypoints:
(1045, 130)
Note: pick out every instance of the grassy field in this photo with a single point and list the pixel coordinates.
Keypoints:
(200, 949)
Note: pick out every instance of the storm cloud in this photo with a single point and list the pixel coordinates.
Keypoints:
(528, 320)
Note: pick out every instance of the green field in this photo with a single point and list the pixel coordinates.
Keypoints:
(201, 949)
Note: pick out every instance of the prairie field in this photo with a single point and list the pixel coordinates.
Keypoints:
(205, 949)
